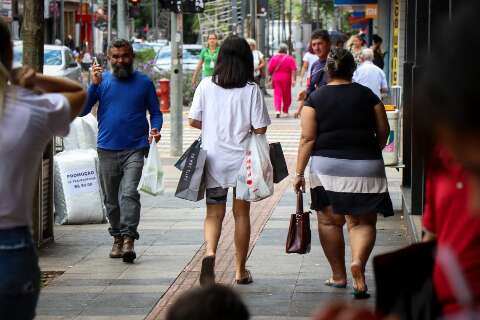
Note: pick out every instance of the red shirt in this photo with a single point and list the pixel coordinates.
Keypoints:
(447, 215)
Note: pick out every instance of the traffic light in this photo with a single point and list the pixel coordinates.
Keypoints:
(183, 6)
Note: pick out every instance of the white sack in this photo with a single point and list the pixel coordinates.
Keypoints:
(77, 193)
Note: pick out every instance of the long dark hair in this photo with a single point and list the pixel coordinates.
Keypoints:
(234, 67)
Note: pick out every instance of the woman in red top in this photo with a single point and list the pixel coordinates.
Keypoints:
(282, 68)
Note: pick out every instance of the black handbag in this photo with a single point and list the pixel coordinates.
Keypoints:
(277, 158)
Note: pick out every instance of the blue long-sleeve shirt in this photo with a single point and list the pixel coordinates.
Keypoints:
(318, 76)
(122, 121)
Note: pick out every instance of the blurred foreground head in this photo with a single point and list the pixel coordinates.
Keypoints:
(209, 303)
(449, 96)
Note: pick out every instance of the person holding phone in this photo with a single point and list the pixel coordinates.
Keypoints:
(124, 97)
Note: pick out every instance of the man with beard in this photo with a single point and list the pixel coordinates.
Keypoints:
(124, 96)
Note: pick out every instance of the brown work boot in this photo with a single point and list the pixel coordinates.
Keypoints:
(128, 251)
(117, 248)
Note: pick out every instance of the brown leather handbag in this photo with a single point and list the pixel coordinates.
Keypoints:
(299, 237)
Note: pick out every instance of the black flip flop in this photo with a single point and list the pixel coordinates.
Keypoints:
(360, 294)
(207, 274)
(247, 280)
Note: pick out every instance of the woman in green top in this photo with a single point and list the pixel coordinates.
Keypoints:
(208, 58)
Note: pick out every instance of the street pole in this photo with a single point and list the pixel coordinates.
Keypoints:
(92, 24)
(62, 21)
(79, 28)
(121, 20)
(253, 18)
(234, 20)
(176, 87)
(109, 30)
(244, 17)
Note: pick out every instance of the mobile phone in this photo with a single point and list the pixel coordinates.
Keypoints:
(95, 61)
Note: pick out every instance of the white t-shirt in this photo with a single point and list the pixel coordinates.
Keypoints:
(311, 59)
(30, 120)
(257, 56)
(227, 117)
(371, 76)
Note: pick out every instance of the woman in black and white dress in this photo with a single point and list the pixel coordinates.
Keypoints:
(344, 129)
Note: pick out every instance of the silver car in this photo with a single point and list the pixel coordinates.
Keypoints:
(58, 61)
(191, 56)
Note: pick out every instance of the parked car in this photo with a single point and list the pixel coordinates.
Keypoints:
(141, 46)
(157, 45)
(191, 56)
(58, 61)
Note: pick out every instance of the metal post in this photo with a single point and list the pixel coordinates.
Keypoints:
(80, 39)
(155, 20)
(234, 21)
(121, 20)
(109, 31)
(253, 18)
(176, 87)
(244, 16)
(92, 25)
(62, 21)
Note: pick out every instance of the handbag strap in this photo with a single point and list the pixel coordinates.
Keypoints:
(299, 202)
(279, 64)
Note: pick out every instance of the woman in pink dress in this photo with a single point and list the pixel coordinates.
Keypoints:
(282, 68)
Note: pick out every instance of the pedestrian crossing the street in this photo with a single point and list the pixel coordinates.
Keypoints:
(283, 130)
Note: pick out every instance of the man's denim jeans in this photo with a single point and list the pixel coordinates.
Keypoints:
(120, 173)
(20, 274)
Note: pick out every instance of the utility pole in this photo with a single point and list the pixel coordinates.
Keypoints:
(176, 85)
(284, 31)
(244, 17)
(234, 21)
(62, 21)
(121, 20)
(253, 18)
(92, 25)
(109, 28)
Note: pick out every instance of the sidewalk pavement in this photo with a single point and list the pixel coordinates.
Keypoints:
(96, 287)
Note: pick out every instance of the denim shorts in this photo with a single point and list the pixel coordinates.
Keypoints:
(217, 195)
(20, 274)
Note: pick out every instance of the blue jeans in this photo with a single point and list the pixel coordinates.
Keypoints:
(19, 274)
(120, 173)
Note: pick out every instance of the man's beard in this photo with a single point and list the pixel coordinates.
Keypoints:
(122, 71)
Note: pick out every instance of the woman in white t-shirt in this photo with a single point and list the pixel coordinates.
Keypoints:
(228, 107)
(28, 121)
(308, 60)
(258, 61)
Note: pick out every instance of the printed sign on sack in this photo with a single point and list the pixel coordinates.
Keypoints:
(81, 181)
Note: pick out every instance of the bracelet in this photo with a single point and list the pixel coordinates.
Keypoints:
(300, 175)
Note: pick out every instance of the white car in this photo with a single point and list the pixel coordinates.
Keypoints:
(58, 61)
(191, 56)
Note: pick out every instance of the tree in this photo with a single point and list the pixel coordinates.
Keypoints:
(32, 34)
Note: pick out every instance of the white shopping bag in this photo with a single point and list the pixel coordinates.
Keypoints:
(151, 181)
(255, 178)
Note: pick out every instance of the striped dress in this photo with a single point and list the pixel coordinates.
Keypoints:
(346, 168)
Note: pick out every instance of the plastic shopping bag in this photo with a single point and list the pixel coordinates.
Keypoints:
(255, 178)
(151, 181)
